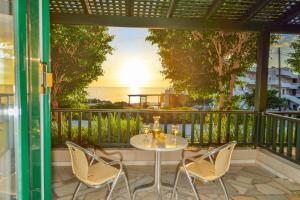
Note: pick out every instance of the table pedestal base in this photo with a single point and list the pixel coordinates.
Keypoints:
(157, 186)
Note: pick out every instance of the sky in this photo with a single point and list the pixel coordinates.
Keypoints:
(133, 63)
(136, 63)
(284, 44)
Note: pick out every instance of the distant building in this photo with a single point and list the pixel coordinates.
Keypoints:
(290, 83)
(171, 99)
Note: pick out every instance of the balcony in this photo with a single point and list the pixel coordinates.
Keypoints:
(264, 166)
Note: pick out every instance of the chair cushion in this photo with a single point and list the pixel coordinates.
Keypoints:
(100, 172)
(202, 169)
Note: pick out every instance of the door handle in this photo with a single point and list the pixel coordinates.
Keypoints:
(45, 78)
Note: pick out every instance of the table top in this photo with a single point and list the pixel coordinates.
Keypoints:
(148, 143)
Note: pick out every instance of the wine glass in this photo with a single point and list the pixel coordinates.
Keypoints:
(175, 130)
(147, 132)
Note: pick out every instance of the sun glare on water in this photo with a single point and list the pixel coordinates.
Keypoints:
(134, 74)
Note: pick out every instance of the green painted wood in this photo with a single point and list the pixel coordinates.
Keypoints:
(192, 128)
(297, 157)
(45, 57)
(228, 127)
(119, 127)
(99, 128)
(165, 123)
(89, 125)
(137, 123)
(79, 127)
(202, 120)
(210, 128)
(59, 129)
(70, 126)
(281, 135)
(236, 127)
(254, 138)
(109, 127)
(289, 139)
(128, 126)
(274, 134)
(269, 130)
(20, 31)
(245, 128)
(219, 128)
(262, 128)
(183, 125)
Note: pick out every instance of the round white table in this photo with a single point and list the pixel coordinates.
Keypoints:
(147, 143)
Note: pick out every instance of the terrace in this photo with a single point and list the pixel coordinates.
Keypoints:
(266, 162)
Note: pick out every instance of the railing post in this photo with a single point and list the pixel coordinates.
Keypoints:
(298, 142)
(59, 129)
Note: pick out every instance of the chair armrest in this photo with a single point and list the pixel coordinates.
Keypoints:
(209, 154)
(102, 153)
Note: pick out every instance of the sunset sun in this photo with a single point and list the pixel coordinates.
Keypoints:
(134, 74)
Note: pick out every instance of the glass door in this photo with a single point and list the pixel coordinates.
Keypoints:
(25, 141)
(8, 105)
(38, 98)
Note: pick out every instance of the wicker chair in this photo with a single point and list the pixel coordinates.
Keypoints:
(95, 171)
(210, 167)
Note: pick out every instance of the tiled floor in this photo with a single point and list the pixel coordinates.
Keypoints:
(242, 182)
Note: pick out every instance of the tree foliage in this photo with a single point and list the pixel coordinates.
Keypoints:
(77, 54)
(294, 60)
(205, 63)
(273, 101)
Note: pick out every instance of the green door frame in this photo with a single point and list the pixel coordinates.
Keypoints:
(46, 111)
(20, 34)
(21, 89)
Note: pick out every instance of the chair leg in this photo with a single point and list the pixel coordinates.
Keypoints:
(175, 184)
(192, 185)
(127, 186)
(112, 187)
(76, 191)
(224, 188)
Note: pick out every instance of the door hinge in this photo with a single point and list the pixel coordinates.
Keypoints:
(45, 78)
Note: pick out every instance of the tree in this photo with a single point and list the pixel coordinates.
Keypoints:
(294, 60)
(273, 101)
(205, 63)
(77, 54)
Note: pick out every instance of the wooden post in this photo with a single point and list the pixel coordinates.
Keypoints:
(261, 89)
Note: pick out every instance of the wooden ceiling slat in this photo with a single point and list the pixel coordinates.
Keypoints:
(290, 15)
(232, 15)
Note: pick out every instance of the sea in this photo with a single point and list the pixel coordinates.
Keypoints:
(117, 94)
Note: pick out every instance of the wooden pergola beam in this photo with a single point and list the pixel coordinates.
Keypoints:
(86, 7)
(129, 8)
(147, 22)
(213, 8)
(260, 4)
(172, 8)
(288, 16)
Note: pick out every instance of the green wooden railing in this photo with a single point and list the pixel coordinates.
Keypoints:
(280, 133)
(113, 128)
